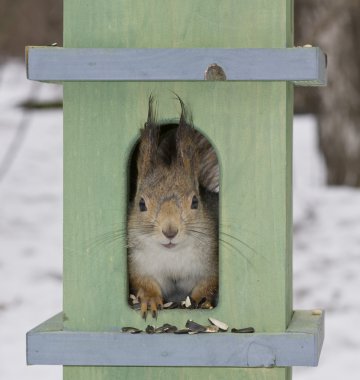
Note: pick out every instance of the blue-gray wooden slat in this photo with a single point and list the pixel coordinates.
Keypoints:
(303, 66)
(300, 345)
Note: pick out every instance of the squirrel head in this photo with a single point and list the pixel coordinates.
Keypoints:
(167, 202)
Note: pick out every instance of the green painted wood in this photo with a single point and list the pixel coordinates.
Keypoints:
(248, 123)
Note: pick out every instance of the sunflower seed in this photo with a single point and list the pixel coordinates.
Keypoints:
(221, 325)
(132, 330)
(182, 331)
(165, 328)
(212, 329)
(188, 302)
(150, 329)
(136, 306)
(317, 312)
(195, 327)
(175, 305)
(243, 331)
(169, 328)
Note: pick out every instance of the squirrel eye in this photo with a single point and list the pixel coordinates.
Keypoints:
(142, 205)
(194, 202)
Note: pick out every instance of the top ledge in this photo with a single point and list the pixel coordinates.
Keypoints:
(302, 66)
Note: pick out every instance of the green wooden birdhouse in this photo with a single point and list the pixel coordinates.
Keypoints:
(116, 53)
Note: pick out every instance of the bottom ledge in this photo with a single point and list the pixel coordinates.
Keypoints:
(299, 345)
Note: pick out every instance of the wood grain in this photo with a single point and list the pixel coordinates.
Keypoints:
(248, 123)
(299, 345)
(299, 65)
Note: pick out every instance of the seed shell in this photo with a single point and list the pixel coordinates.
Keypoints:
(221, 325)
(244, 330)
(150, 329)
(195, 327)
(212, 329)
(132, 330)
(182, 331)
(188, 302)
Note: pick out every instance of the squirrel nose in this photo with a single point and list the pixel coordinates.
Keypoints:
(170, 233)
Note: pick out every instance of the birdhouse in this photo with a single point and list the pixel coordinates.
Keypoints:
(233, 64)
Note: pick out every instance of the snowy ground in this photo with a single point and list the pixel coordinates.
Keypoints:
(326, 241)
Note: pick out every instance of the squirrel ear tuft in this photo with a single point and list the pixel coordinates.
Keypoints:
(149, 141)
(185, 141)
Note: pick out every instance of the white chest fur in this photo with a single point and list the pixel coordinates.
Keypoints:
(179, 267)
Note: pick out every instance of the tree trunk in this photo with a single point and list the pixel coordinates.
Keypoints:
(335, 27)
(29, 22)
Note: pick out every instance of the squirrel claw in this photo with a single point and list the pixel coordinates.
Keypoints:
(152, 303)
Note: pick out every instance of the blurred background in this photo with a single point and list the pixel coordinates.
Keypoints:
(326, 185)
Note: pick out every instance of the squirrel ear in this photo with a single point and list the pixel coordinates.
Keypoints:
(185, 141)
(149, 141)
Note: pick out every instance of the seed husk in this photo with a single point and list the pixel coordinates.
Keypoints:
(132, 330)
(171, 305)
(202, 301)
(212, 329)
(165, 328)
(221, 325)
(182, 331)
(136, 306)
(188, 302)
(244, 330)
(150, 329)
(195, 327)
(169, 328)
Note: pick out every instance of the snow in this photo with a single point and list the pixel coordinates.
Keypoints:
(326, 240)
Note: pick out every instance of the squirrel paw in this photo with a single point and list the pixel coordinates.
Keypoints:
(151, 301)
(204, 292)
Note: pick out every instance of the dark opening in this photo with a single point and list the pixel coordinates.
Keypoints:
(173, 223)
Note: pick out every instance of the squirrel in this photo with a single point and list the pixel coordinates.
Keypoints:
(173, 217)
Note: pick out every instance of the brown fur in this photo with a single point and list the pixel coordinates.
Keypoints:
(167, 187)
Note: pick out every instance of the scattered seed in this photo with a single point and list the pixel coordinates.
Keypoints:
(167, 305)
(195, 327)
(166, 328)
(136, 306)
(212, 329)
(221, 325)
(182, 331)
(316, 312)
(243, 331)
(188, 302)
(150, 329)
(170, 328)
(202, 301)
(132, 330)
(175, 305)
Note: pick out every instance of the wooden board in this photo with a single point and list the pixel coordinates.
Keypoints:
(299, 345)
(299, 65)
(248, 123)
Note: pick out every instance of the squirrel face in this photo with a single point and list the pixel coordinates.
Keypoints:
(166, 206)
